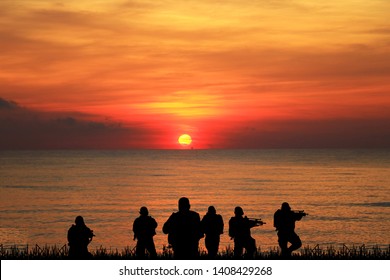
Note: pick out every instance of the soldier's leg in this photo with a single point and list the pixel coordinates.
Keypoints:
(250, 248)
(194, 251)
(151, 248)
(186, 250)
(177, 252)
(72, 254)
(208, 244)
(216, 245)
(282, 240)
(238, 247)
(140, 249)
(295, 241)
(212, 244)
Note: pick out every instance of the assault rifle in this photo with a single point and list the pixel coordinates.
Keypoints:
(258, 222)
(301, 212)
(91, 237)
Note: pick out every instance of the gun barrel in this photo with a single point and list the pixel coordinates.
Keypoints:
(302, 212)
(257, 221)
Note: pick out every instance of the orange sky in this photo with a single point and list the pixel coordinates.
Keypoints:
(232, 74)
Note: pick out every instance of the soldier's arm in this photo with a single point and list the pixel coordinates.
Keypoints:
(252, 224)
(199, 227)
(70, 235)
(232, 230)
(135, 229)
(154, 223)
(298, 216)
(167, 225)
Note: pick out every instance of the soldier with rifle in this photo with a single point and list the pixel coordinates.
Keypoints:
(79, 236)
(284, 222)
(240, 231)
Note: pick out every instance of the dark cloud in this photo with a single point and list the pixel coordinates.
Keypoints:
(5, 104)
(22, 128)
(331, 133)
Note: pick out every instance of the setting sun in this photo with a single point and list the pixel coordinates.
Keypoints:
(184, 139)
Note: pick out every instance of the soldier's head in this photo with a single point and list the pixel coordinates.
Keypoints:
(79, 221)
(285, 206)
(212, 210)
(238, 211)
(143, 211)
(184, 204)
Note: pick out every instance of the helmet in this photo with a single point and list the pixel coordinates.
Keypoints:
(79, 221)
(143, 211)
(286, 206)
(238, 211)
(211, 210)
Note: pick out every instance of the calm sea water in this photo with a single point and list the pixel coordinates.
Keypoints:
(345, 192)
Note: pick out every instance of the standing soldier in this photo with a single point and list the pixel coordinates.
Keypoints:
(79, 236)
(184, 232)
(144, 228)
(240, 231)
(284, 222)
(212, 227)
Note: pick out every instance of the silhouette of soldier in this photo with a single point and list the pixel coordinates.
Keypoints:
(79, 236)
(184, 232)
(284, 222)
(144, 228)
(212, 227)
(240, 231)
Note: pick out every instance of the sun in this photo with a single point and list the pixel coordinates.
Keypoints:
(184, 140)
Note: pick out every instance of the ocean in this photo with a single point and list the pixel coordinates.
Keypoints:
(345, 192)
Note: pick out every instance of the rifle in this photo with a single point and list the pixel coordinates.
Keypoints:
(258, 222)
(91, 237)
(301, 212)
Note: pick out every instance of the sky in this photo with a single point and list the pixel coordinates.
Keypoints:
(97, 74)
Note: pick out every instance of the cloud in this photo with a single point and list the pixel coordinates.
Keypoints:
(335, 133)
(5, 104)
(147, 63)
(143, 50)
(22, 128)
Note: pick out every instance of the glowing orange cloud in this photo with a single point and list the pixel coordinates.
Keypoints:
(210, 69)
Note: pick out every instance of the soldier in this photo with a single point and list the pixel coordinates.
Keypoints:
(184, 232)
(144, 228)
(240, 231)
(212, 227)
(79, 236)
(284, 222)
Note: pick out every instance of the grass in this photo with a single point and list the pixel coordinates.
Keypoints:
(317, 252)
